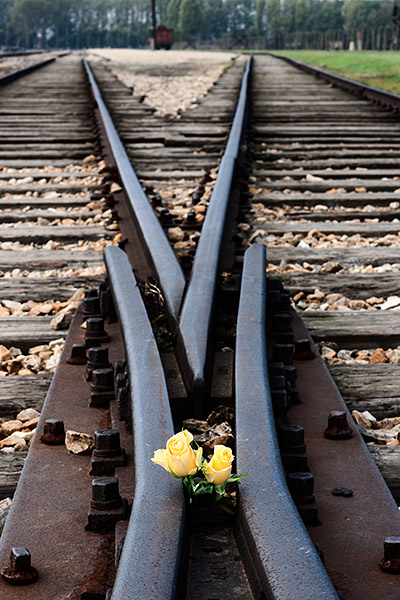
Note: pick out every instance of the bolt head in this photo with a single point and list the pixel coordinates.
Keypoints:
(78, 355)
(107, 441)
(103, 378)
(19, 571)
(98, 355)
(391, 558)
(283, 353)
(53, 432)
(338, 427)
(292, 436)
(54, 426)
(301, 485)
(95, 325)
(105, 493)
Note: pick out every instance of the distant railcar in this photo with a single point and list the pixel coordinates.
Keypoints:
(164, 37)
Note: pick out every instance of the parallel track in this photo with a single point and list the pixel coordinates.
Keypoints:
(267, 553)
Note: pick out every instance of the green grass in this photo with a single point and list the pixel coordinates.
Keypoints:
(381, 69)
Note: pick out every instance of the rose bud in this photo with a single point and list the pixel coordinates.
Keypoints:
(179, 458)
(219, 469)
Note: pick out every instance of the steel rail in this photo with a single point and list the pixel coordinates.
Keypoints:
(13, 75)
(162, 256)
(196, 315)
(363, 90)
(286, 560)
(149, 562)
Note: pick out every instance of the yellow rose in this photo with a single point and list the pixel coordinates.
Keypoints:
(219, 469)
(179, 457)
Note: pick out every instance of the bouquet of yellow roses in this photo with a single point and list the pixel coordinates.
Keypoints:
(204, 481)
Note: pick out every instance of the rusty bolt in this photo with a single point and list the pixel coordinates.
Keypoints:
(53, 432)
(78, 355)
(157, 200)
(338, 428)
(283, 353)
(277, 382)
(191, 218)
(91, 307)
(281, 322)
(90, 293)
(97, 359)
(103, 379)
(391, 558)
(95, 332)
(290, 373)
(165, 217)
(107, 454)
(301, 486)
(280, 402)
(196, 197)
(105, 493)
(276, 369)
(106, 443)
(303, 350)
(106, 506)
(19, 571)
(292, 438)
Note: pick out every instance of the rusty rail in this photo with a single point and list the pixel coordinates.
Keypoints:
(161, 254)
(362, 90)
(18, 73)
(149, 562)
(286, 560)
(196, 315)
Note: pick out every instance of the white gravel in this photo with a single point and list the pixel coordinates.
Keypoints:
(171, 80)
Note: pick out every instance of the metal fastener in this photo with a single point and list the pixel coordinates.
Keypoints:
(165, 217)
(303, 350)
(91, 307)
(78, 355)
(97, 359)
(95, 332)
(276, 368)
(391, 558)
(301, 486)
(107, 454)
(281, 322)
(19, 571)
(282, 353)
(280, 402)
(338, 427)
(294, 457)
(292, 438)
(106, 506)
(53, 432)
(290, 373)
(102, 388)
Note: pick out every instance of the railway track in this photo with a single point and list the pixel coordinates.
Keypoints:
(124, 529)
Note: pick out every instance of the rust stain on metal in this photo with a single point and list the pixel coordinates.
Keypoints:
(353, 529)
(51, 503)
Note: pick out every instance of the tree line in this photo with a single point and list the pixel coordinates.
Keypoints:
(127, 23)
